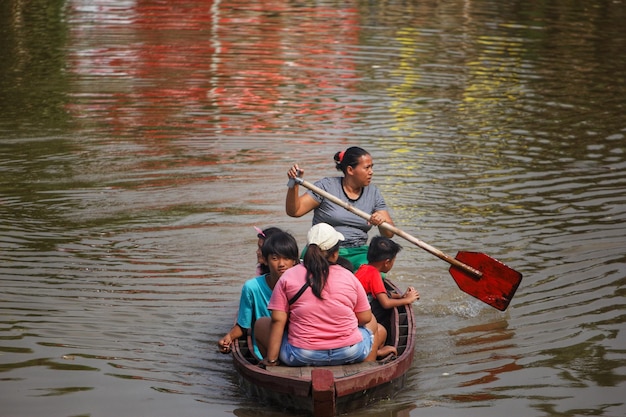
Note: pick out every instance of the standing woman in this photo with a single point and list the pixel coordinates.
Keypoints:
(355, 188)
(330, 319)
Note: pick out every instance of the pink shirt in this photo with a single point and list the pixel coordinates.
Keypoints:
(321, 324)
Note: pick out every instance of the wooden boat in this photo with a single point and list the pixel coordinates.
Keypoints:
(326, 391)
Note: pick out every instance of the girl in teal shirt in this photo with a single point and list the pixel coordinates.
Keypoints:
(280, 252)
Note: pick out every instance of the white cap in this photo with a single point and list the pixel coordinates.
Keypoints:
(324, 236)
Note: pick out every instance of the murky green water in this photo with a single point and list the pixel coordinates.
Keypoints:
(140, 141)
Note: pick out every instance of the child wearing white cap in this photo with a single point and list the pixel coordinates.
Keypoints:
(330, 319)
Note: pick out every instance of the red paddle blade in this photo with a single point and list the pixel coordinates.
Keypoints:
(497, 285)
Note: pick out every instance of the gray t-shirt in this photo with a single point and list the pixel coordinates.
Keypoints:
(354, 228)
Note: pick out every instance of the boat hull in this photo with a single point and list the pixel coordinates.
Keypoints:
(325, 391)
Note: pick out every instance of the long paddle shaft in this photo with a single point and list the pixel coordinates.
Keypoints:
(391, 228)
(488, 279)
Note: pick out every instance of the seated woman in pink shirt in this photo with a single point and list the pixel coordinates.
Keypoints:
(330, 320)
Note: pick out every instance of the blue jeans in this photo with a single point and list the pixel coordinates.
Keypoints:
(294, 356)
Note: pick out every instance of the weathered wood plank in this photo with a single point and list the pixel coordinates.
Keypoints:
(337, 371)
(323, 393)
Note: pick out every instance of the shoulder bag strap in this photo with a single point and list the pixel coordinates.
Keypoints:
(299, 293)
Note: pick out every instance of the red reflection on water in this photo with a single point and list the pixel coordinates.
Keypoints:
(160, 69)
(489, 340)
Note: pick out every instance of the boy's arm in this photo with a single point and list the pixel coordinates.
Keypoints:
(387, 302)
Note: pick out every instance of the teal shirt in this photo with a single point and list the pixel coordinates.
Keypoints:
(255, 296)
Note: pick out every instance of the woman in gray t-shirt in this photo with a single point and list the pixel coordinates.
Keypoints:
(354, 187)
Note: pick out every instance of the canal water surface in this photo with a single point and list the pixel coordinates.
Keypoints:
(141, 141)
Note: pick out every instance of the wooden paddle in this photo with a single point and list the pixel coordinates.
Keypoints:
(477, 274)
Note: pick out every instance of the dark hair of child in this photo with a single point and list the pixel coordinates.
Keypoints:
(382, 248)
(282, 244)
(264, 234)
(267, 232)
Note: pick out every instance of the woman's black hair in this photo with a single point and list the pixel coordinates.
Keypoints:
(349, 158)
(282, 244)
(318, 267)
